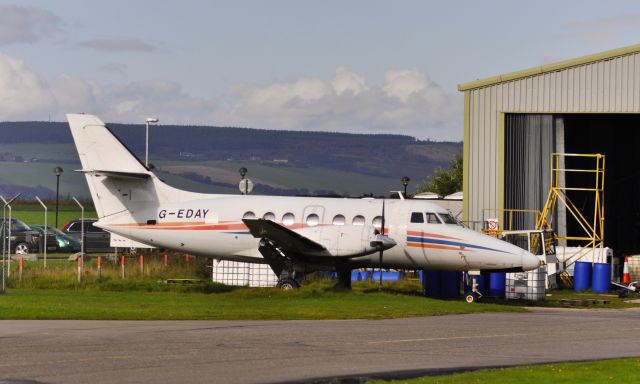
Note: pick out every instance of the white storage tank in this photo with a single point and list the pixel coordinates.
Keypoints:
(243, 274)
(526, 285)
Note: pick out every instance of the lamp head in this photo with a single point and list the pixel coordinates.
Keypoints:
(152, 120)
(58, 171)
(243, 171)
(405, 180)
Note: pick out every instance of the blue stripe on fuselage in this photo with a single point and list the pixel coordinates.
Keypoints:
(426, 240)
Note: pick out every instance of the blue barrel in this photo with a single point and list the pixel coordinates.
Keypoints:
(581, 275)
(450, 284)
(497, 282)
(355, 276)
(386, 276)
(601, 277)
(431, 282)
(480, 280)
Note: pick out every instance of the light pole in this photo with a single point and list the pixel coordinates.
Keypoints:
(146, 140)
(57, 171)
(243, 172)
(405, 181)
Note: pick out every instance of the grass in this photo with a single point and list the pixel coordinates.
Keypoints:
(312, 178)
(315, 302)
(33, 213)
(602, 371)
(55, 293)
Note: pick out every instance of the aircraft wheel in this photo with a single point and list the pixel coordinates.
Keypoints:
(471, 297)
(22, 248)
(288, 284)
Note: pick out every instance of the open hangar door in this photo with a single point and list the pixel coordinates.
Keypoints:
(617, 136)
(531, 138)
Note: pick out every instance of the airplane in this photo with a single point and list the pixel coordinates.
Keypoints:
(294, 235)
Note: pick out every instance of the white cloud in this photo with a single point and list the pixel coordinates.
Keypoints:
(22, 91)
(118, 44)
(408, 102)
(603, 29)
(25, 24)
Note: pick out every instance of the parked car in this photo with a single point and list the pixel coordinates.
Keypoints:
(95, 239)
(65, 242)
(25, 240)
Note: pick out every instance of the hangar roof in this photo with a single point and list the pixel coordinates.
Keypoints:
(550, 67)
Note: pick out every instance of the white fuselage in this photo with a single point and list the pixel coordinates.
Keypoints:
(213, 227)
(132, 202)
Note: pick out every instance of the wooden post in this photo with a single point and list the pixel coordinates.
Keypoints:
(99, 267)
(142, 265)
(79, 268)
(166, 260)
(122, 265)
(20, 264)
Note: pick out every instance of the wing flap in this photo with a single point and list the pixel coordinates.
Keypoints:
(283, 237)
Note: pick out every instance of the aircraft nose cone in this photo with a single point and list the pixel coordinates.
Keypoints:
(530, 261)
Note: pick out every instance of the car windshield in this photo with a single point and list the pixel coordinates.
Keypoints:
(19, 226)
(50, 230)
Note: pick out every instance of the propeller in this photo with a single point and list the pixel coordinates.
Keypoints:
(382, 242)
(381, 246)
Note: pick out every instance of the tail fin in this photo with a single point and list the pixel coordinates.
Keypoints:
(120, 184)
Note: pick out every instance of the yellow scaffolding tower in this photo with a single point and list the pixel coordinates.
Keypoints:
(592, 228)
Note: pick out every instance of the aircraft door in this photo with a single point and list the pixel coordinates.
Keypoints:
(415, 235)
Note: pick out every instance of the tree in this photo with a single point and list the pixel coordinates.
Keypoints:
(444, 181)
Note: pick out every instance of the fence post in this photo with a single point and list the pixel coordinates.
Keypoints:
(21, 263)
(99, 267)
(79, 268)
(122, 265)
(166, 261)
(142, 265)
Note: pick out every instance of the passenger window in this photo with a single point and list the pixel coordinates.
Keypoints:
(92, 228)
(432, 218)
(358, 220)
(339, 220)
(417, 217)
(288, 219)
(269, 216)
(249, 215)
(377, 222)
(313, 220)
(75, 227)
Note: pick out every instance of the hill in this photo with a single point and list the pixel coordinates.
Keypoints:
(207, 158)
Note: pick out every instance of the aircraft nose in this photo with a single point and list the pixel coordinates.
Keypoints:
(530, 261)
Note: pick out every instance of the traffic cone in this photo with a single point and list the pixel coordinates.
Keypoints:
(626, 277)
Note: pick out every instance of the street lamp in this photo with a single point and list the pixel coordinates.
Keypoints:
(146, 141)
(405, 181)
(243, 172)
(57, 171)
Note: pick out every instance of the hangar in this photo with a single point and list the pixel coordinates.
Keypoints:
(515, 121)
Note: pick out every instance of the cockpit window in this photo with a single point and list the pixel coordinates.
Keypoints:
(417, 217)
(448, 219)
(432, 218)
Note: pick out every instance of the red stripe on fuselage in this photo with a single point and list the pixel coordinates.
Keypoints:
(434, 235)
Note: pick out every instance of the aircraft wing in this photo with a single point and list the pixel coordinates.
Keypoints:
(284, 238)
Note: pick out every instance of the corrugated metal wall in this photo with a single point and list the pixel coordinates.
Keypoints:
(610, 86)
(529, 143)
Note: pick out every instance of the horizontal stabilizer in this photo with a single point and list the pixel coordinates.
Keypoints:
(118, 174)
(284, 238)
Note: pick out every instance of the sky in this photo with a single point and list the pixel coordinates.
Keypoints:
(359, 66)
